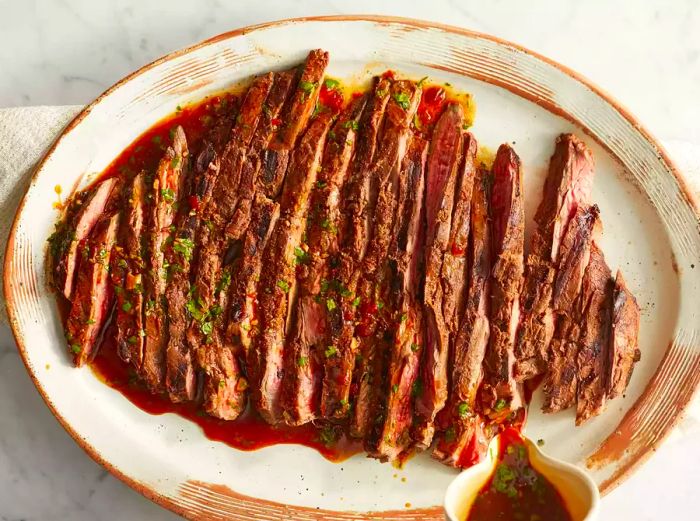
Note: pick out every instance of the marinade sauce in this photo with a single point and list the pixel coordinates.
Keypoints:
(516, 491)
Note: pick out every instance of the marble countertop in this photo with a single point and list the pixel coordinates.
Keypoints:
(647, 55)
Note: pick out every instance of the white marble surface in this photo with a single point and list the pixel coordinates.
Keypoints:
(645, 53)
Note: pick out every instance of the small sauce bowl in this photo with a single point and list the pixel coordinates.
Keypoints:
(579, 492)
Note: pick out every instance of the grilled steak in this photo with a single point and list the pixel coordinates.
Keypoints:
(500, 393)
(128, 274)
(372, 287)
(461, 425)
(303, 100)
(624, 351)
(594, 344)
(180, 373)
(277, 286)
(165, 193)
(561, 380)
(405, 265)
(442, 167)
(273, 163)
(66, 243)
(93, 297)
(568, 185)
(305, 350)
(354, 232)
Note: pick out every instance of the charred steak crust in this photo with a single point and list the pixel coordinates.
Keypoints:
(624, 351)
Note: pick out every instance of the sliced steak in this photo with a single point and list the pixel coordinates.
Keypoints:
(303, 101)
(128, 268)
(441, 180)
(560, 380)
(405, 265)
(180, 373)
(594, 345)
(92, 299)
(370, 284)
(277, 286)
(460, 428)
(273, 163)
(85, 210)
(567, 186)
(306, 350)
(165, 194)
(500, 394)
(624, 351)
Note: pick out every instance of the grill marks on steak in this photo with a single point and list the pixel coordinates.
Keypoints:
(277, 283)
(500, 394)
(70, 236)
(561, 378)
(372, 333)
(166, 191)
(567, 186)
(306, 352)
(405, 266)
(92, 298)
(593, 353)
(441, 180)
(624, 350)
(128, 274)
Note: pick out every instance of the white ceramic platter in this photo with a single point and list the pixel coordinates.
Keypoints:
(651, 231)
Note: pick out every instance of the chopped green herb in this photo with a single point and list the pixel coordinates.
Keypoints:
(126, 306)
(207, 327)
(300, 256)
(167, 194)
(417, 389)
(380, 304)
(302, 361)
(283, 285)
(381, 94)
(343, 402)
(465, 126)
(351, 124)
(327, 435)
(503, 480)
(122, 263)
(76, 348)
(395, 388)
(463, 409)
(356, 301)
(331, 83)
(331, 135)
(415, 347)
(500, 405)
(331, 351)
(307, 87)
(450, 434)
(89, 321)
(402, 99)
(224, 282)
(184, 247)
(330, 304)
(174, 162)
(321, 184)
(132, 340)
(404, 317)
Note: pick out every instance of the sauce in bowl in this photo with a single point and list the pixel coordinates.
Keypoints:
(516, 491)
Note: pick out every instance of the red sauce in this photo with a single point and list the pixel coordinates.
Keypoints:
(516, 490)
(331, 96)
(431, 104)
(248, 432)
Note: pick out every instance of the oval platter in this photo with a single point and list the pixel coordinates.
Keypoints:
(651, 230)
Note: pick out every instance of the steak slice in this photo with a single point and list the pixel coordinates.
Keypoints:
(405, 265)
(370, 283)
(128, 274)
(165, 194)
(441, 179)
(354, 233)
(500, 394)
(568, 185)
(277, 286)
(624, 351)
(65, 244)
(594, 345)
(560, 381)
(180, 382)
(303, 100)
(460, 428)
(92, 299)
(273, 163)
(306, 350)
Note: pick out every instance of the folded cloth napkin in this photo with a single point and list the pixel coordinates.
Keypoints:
(26, 133)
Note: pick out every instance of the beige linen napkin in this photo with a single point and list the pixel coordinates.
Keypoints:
(26, 133)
